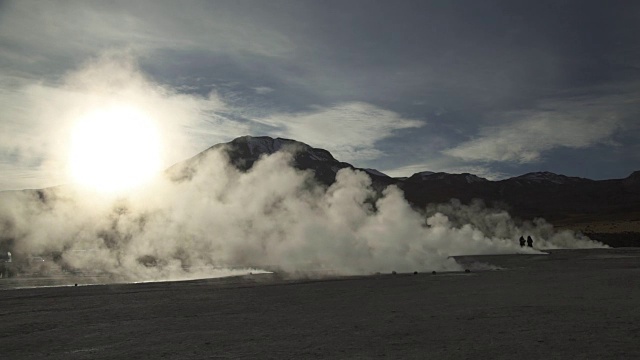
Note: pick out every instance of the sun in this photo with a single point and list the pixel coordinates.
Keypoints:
(114, 149)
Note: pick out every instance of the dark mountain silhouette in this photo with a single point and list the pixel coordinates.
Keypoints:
(534, 194)
(541, 194)
(558, 198)
(244, 151)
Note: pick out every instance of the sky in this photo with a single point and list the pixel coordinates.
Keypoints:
(494, 88)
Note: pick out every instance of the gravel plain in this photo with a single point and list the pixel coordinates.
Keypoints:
(569, 304)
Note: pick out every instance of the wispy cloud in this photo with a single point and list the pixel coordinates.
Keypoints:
(349, 130)
(48, 32)
(261, 90)
(524, 136)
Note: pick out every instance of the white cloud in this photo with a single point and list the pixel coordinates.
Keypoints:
(576, 123)
(261, 90)
(349, 130)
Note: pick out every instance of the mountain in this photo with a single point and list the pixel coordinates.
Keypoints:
(572, 202)
(555, 197)
(537, 194)
(244, 151)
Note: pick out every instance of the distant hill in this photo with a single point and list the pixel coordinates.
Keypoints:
(572, 202)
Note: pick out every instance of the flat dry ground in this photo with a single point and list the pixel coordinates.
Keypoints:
(612, 224)
(568, 305)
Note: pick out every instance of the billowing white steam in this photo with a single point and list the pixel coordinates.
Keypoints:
(272, 216)
(498, 224)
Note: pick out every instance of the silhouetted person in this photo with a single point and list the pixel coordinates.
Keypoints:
(529, 241)
(521, 241)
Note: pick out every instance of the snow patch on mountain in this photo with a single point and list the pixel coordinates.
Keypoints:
(423, 174)
(264, 145)
(375, 172)
(546, 176)
(470, 178)
(431, 176)
(319, 155)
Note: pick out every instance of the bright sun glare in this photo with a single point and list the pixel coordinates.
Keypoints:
(115, 149)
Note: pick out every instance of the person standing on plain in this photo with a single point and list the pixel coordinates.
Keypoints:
(529, 241)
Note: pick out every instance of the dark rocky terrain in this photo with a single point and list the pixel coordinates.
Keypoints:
(571, 304)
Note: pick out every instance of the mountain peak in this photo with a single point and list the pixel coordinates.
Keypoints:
(375, 172)
(265, 145)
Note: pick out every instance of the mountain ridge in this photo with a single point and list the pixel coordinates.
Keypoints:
(555, 197)
(257, 146)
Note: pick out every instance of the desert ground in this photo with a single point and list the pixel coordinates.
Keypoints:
(568, 304)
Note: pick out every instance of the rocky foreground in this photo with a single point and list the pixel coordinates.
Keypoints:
(570, 304)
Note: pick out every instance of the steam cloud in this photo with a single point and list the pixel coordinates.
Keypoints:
(272, 216)
(222, 220)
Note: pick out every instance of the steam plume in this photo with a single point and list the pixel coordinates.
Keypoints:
(272, 216)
